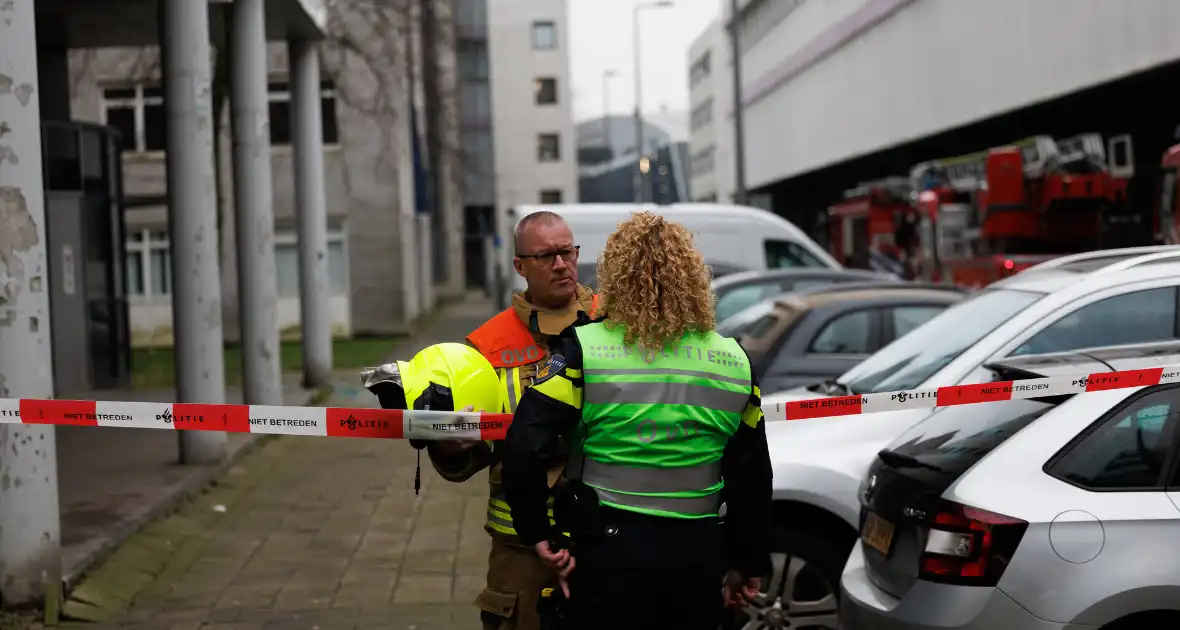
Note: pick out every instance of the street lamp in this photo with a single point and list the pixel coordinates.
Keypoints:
(606, 123)
(739, 138)
(639, 142)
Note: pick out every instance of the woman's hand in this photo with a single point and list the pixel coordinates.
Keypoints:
(561, 561)
(739, 591)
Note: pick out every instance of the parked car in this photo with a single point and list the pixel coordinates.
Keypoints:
(588, 272)
(818, 334)
(739, 291)
(1103, 298)
(1056, 512)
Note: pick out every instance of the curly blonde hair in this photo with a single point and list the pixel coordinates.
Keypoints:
(653, 282)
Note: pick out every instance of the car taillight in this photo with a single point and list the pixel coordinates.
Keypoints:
(969, 546)
(1009, 264)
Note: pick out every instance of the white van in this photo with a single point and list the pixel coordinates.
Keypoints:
(732, 238)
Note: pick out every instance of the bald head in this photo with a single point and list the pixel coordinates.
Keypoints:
(529, 224)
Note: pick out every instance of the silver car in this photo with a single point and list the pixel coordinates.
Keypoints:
(1054, 513)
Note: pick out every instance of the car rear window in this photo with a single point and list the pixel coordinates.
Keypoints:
(954, 439)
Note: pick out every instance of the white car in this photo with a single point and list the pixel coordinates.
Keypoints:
(1033, 514)
(1102, 298)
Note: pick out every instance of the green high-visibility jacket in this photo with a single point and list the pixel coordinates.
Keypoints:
(655, 423)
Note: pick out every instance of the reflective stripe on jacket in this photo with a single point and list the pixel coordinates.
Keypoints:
(656, 423)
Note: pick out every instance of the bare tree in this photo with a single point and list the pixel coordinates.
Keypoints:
(364, 53)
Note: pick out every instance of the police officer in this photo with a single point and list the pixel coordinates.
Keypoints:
(665, 424)
(516, 341)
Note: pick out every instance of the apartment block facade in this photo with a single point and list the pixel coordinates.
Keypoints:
(711, 144)
(531, 106)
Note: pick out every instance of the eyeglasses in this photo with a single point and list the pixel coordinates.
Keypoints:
(546, 259)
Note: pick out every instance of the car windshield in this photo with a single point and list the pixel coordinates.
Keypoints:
(910, 360)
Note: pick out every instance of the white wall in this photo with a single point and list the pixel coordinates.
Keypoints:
(516, 118)
(931, 66)
(717, 134)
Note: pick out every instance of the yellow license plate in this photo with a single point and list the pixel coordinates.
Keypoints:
(878, 533)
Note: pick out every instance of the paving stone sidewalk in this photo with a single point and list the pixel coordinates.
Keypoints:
(308, 533)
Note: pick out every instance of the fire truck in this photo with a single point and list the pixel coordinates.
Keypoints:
(976, 218)
(1167, 215)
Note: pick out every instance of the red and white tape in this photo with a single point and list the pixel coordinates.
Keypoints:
(269, 420)
(975, 393)
(445, 425)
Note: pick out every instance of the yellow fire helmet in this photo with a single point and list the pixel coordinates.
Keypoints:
(442, 377)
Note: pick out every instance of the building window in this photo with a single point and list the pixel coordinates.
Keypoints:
(545, 90)
(473, 61)
(702, 161)
(133, 265)
(544, 35)
(149, 264)
(161, 266)
(138, 113)
(700, 69)
(280, 113)
(475, 103)
(287, 264)
(550, 196)
(702, 114)
(548, 147)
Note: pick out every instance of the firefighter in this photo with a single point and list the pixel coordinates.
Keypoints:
(516, 342)
(665, 424)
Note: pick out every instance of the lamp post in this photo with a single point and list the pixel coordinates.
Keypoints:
(640, 160)
(739, 140)
(606, 122)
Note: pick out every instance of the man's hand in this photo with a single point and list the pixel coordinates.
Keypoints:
(451, 448)
(561, 561)
(739, 590)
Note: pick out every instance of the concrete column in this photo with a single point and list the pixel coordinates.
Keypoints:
(30, 533)
(192, 217)
(254, 204)
(425, 261)
(307, 137)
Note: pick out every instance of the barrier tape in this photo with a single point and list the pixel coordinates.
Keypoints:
(975, 393)
(444, 425)
(390, 424)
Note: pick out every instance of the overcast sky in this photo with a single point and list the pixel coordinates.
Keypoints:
(602, 40)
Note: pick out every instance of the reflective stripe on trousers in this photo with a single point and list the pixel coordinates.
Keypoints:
(500, 515)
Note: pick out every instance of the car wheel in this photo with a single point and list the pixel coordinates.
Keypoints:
(803, 590)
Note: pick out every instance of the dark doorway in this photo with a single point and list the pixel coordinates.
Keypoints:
(91, 331)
